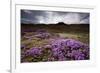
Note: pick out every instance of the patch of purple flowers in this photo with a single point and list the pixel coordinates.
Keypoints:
(33, 52)
(42, 34)
(69, 48)
(58, 49)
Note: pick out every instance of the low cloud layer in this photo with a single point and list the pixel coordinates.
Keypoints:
(47, 17)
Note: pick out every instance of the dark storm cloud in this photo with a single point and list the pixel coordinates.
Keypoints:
(31, 16)
(36, 16)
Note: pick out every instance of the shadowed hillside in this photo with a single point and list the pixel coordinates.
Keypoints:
(78, 28)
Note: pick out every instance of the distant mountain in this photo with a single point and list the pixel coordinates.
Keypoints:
(59, 23)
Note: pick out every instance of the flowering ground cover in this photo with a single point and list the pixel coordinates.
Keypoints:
(54, 44)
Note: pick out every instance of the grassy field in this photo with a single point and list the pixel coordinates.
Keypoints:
(78, 32)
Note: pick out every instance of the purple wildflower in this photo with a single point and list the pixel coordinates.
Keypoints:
(43, 35)
(61, 47)
(77, 55)
(33, 51)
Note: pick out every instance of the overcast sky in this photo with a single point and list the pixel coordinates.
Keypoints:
(47, 17)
